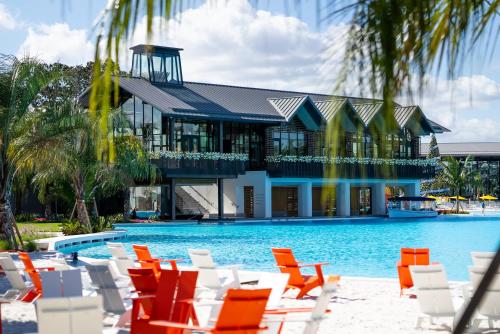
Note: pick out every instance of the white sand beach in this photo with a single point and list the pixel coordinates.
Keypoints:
(361, 305)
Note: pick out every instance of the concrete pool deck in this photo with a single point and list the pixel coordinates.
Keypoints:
(361, 305)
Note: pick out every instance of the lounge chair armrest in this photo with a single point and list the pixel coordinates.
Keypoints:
(161, 323)
(45, 268)
(139, 298)
(314, 264)
(170, 260)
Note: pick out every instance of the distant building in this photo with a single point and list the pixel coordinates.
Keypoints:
(486, 160)
(241, 151)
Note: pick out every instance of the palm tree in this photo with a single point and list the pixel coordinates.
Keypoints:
(60, 144)
(21, 80)
(388, 44)
(456, 174)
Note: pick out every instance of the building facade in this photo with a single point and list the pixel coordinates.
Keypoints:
(486, 161)
(239, 151)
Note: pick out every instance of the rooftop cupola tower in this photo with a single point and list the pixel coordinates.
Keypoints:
(159, 64)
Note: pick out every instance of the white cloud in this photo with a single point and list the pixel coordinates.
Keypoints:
(57, 43)
(7, 21)
(465, 106)
(231, 42)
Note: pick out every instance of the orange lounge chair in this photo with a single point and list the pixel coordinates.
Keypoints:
(34, 274)
(241, 313)
(173, 301)
(410, 257)
(147, 261)
(145, 283)
(287, 264)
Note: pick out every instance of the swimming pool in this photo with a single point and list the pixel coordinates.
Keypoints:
(356, 247)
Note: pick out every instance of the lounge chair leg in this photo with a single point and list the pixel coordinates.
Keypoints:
(418, 325)
(475, 325)
(490, 323)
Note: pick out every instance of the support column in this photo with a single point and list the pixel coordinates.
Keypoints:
(344, 199)
(164, 201)
(172, 199)
(305, 199)
(221, 136)
(220, 198)
(378, 199)
(268, 199)
(413, 189)
(171, 133)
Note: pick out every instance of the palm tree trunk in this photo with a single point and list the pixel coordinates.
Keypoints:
(6, 222)
(82, 213)
(126, 204)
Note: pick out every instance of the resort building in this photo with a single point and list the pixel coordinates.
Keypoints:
(227, 151)
(486, 160)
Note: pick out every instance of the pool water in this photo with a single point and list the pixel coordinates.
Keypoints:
(356, 247)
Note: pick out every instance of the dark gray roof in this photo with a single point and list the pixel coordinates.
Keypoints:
(141, 48)
(491, 149)
(214, 101)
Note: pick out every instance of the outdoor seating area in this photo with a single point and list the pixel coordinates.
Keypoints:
(146, 295)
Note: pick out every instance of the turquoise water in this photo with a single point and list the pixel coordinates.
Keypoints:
(361, 247)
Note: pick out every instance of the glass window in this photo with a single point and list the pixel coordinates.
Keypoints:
(144, 66)
(139, 117)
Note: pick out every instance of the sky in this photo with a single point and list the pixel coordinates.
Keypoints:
(270, 44)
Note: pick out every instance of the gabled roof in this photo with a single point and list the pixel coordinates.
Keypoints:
(329, 108)
(300, 106)
(437, 128)
(413, 118)
(367, 111)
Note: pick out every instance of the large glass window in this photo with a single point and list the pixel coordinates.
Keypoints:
(289, 142)
(195, 136)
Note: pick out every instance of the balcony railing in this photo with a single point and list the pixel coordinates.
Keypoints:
(351, 168)
(199, 165)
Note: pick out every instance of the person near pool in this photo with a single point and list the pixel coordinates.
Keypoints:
(483, 206)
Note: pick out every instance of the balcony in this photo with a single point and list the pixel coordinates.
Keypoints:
(199, 165)
(351, 168)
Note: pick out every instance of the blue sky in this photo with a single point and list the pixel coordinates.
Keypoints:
(273, 44)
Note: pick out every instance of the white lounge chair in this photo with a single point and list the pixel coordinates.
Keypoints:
(489, 308)
(277, 282)
(65, 283)
(481, 259)
(311, 319)
(113, 297)
(433, 293)
(18, 286)
(120, 257)
(208, 276)
(75, 315)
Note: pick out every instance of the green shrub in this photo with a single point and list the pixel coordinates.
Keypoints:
(25, 217)
(30, 246)
(4, 245)
(115, 219)
(73, 227)
(101, 224)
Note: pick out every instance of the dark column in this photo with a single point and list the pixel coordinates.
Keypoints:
(220, 197)
(171, 133)
(172, 198)
(164, 201)
(221, 136)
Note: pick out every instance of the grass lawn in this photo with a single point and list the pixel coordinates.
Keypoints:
(40, 226)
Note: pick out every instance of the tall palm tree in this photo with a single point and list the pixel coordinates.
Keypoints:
(60, 144)
(456, 175)
(21, 80)
(389, 43)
